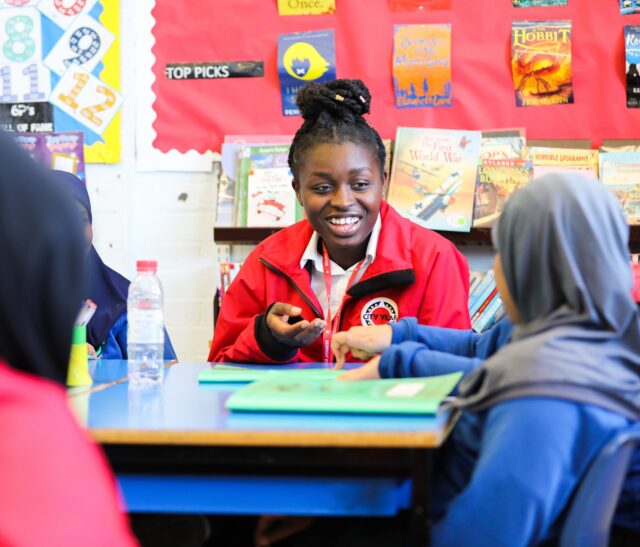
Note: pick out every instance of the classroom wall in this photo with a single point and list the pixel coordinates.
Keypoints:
(163, 216)
(168, 217)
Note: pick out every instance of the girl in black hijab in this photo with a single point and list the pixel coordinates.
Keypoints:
(107, 330)
(41, 267)
(56, 487)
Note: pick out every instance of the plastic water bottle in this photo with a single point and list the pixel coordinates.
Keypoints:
(145, 330)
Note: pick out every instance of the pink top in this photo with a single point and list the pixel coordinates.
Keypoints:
(56, 488)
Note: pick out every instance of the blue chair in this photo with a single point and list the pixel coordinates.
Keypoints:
(588, 521)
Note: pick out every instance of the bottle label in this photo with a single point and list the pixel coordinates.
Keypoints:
(145, 327)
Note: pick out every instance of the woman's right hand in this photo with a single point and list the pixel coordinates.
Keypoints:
(362, 342)
(297, 335)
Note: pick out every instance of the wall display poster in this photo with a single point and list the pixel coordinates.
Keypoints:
(191, 117)
(628, 7)
(43, 45)
(632, 52)
(63, 151)
(306, 7)
(541, 62)
(304, 57)
(419, 5)
(538, 3)
(422, 65)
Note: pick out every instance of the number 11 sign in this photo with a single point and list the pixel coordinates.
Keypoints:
(86, 98)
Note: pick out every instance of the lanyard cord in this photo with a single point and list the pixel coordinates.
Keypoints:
(331, 326)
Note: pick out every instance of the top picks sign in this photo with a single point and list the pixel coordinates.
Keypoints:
(214, 71)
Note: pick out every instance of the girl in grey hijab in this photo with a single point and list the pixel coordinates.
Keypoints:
(538, 409)
(562, 250)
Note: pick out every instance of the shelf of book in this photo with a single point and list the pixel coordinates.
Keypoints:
(477, 236)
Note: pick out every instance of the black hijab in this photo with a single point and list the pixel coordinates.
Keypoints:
(41, 273)
(107, 288)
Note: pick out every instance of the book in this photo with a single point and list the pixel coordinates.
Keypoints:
(620, 145)
(620, 173)
(561, 160)
(270, 199)
(481, 292)
(582, 144)
(541, 62)
(632, 58)
(62, 150)
(493, 312)
(502, 144)
(391, 396)
(485, 303)
(497, 180)
(225, 210)
(232, 374)
(433, 176)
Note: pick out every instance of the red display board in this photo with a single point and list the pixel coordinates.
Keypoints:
(196, 114)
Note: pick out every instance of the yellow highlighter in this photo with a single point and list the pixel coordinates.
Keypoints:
(78, 374)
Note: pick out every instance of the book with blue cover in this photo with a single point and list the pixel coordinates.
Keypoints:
(288, 393)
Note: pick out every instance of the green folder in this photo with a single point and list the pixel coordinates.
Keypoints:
(230, 374)
(286, 393)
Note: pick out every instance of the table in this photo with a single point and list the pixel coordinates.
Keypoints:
(175, 448)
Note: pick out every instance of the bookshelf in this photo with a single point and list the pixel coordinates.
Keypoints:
(477, 236)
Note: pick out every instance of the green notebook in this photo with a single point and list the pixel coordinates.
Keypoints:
(230, 374)
(285, 393)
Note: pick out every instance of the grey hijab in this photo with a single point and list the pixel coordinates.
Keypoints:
(562, 240)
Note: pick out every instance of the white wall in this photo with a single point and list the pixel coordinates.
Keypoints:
(163, 216)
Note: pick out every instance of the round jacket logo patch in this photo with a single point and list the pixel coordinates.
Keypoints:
(379, 311)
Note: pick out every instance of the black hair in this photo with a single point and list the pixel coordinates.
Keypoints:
(332, 113)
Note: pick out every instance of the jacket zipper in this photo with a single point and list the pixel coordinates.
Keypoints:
(293, 284)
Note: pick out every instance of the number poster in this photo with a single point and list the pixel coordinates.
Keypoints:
(64, 53)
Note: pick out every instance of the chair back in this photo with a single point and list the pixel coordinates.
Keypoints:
(588, 521)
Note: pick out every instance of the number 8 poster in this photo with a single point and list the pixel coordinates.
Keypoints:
(64, 53)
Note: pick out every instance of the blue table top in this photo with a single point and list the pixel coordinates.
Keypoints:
(182, 411)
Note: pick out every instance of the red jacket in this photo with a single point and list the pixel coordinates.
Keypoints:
(416, 273)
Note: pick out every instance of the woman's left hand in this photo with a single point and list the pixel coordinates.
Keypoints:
(368, 371)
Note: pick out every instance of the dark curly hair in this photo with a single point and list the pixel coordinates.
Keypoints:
(332, 113)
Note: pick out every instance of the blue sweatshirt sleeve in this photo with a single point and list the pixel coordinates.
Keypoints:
(115, 346)
(419, 350)
(410, 359)
(465, 343)
(532, 454)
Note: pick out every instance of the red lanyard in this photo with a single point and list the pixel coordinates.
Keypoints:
(332, 325)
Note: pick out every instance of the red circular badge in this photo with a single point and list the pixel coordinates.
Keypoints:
(379, 311)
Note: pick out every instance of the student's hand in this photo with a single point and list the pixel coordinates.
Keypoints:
(362, 342)
(368, 371)
(297, 335)
(91, 351)
(271, 529)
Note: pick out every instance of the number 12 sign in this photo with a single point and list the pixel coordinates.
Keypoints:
(86, 98)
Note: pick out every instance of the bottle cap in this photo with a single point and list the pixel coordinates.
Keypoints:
(147, 265)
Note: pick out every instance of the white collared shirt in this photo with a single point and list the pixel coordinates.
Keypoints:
(339, 277)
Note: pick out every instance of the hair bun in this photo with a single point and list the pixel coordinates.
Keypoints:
(342, 99)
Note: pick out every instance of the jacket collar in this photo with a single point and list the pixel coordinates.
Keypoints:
(392, 266)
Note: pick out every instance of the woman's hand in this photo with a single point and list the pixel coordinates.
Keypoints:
(362, 342)
(368, 371)
(297, 335)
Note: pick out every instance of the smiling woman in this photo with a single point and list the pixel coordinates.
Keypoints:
(353, 261)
